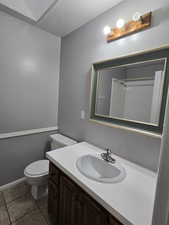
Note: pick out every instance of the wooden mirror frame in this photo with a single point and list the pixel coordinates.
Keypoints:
(145, 128)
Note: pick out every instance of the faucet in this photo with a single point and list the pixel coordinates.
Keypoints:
(107, 156)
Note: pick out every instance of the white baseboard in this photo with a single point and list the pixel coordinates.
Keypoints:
(12, 184)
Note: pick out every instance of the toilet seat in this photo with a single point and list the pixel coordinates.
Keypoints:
(37, 169)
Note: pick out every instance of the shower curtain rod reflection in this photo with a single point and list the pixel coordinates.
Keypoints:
(141, 78)
(124, 81)
(135, 79)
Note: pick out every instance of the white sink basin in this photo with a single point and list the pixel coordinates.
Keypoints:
(97, 169)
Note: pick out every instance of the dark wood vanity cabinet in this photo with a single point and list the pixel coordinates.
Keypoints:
(68, 204)
(53, 200)
(113, 221)
(53, 194)
(92, 212)
(76, 208)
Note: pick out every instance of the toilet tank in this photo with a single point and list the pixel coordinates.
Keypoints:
(60, 141)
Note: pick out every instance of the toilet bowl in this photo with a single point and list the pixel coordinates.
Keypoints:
(37, 172)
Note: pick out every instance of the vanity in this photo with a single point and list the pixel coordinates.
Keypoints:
(76, 199)
(69, 204)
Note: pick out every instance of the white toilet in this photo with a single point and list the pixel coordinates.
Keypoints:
(37, 172)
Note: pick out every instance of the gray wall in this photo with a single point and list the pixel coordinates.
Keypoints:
(144, 70)
(139, 98)
(87, 45)
(104, 87)
(104, 83)
(16, 153)
(138, 101)
(19, 41)
(29, 76)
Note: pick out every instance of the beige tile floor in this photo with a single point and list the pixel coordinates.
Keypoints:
(17, 207)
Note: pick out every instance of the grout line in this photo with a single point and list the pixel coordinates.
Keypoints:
(5, 204)
(25, 214)
(31, 211)
(42, 214)
(15, 199)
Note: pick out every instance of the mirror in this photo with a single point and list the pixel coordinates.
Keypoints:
(131, 91)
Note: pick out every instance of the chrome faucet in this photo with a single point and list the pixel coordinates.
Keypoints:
(107, 156)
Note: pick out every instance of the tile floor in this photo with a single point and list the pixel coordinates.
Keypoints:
(17, 207)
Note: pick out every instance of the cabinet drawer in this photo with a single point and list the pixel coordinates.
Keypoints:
(54, 174)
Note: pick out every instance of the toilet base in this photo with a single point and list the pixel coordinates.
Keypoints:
(39, 191)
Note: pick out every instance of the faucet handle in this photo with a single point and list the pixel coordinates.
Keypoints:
(109, 151)
(107, 156)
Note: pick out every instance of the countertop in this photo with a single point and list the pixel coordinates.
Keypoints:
(130, 201)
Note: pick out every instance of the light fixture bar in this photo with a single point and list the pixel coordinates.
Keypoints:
(131, 27)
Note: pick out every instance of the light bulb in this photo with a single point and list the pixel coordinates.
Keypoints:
(107, 30)
(136, 16)
(120, 23)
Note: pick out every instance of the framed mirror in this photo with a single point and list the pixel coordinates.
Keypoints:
(130, 92)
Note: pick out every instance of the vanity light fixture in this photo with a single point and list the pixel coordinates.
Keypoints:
(138, 23)
(107, 30)
(136, 16)
(120, 23)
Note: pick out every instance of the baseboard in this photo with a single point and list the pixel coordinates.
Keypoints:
(12, 184)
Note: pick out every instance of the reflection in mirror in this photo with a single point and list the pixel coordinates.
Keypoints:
(131, 92)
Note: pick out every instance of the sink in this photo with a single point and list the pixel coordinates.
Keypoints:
(95, 168)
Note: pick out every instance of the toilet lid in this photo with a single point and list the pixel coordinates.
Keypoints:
(37, 168)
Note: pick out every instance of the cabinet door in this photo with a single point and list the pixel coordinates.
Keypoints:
(70, 205)
(92, 212)
(54, 174)
(113, 221)
(53, 202)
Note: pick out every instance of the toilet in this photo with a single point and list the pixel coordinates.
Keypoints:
(37, 172)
